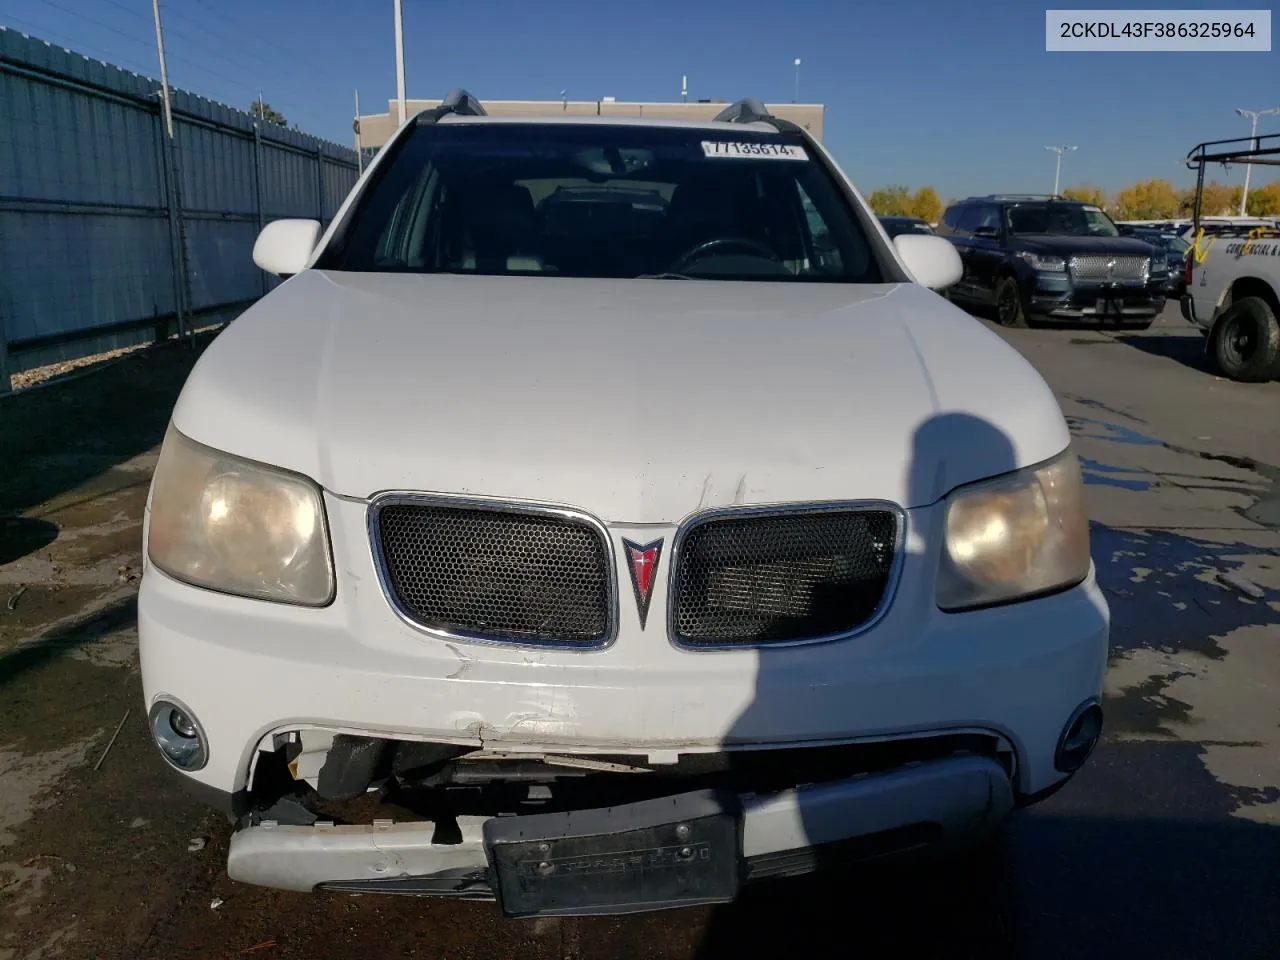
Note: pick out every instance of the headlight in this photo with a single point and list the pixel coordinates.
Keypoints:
(1048, 264)
(238, 527)
(1159, 265)
(1017, 535)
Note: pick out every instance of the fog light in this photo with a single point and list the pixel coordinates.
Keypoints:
(1079, 737)
(178, 735)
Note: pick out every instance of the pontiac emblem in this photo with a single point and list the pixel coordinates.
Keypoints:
(642, 562)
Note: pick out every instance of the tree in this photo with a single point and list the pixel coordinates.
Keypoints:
(926, 205)
(1218, 200)
(1264, 201)
(1087, 194)
(264, 112)
(1147, 200)
(891, 202)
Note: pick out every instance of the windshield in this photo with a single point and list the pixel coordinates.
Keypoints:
(597, 200)
(1061, 219)
(1177, 244)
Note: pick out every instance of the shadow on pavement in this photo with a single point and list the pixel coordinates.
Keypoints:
(1186, 349)
(20, 536)
(1063, 887)
(61, 436)
(50, 646)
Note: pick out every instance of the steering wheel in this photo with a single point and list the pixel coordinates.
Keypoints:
(700, 250)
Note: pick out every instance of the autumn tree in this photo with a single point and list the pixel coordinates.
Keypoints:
(1147, 200)
(1218, 200)
(1264, 201)
(1086, 194)
(926, 205)
(891, 202)
(263, 111)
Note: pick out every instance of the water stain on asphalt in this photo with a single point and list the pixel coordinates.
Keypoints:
(1265, 509)
(1194, 638)
(1096, 473)
(1106, 430)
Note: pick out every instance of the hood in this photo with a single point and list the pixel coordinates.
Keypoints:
(637, 400)
(1067, 245)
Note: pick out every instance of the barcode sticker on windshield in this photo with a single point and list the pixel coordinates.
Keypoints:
(755, 151)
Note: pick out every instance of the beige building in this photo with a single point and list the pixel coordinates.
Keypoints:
(373, 130)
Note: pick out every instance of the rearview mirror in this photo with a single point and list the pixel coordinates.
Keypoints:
(284, 247)
(933, 261)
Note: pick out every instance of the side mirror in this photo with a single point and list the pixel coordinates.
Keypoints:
(986, 232)
(285, 246)
(933, 261)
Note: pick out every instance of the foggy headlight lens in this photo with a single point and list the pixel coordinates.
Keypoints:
(238, 527)
(1018, 535)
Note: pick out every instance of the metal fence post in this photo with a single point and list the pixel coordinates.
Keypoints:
(168, 176)
(257, 189)
(320, 184)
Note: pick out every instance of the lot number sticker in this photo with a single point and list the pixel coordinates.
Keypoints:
(756, 151)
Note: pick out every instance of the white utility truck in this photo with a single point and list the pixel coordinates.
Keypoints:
(1233, 275)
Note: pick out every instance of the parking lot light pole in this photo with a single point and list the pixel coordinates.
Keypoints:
(1057, 174)
(796, 97)
(1253, 135)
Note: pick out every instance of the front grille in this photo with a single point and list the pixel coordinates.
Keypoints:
(523, 577)
(760, 579)
(1109, 268)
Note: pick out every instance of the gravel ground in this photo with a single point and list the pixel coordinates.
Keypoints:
(1165, 845)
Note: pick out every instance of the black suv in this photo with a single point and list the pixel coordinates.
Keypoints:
(1035, 256)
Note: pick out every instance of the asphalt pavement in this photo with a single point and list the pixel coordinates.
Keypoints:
(1166, 845)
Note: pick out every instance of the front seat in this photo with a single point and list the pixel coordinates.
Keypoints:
(503, 227)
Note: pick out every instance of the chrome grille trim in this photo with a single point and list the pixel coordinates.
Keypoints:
(1123, 268)
(529, 508)
(691, 523)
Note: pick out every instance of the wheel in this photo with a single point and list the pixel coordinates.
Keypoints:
(1009, 310)
(1246, 341)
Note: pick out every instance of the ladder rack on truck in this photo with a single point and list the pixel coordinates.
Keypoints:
(1233, 276)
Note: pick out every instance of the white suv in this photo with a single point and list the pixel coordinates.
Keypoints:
(606, 514)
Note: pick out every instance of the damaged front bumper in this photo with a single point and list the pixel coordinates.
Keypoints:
(670, 851)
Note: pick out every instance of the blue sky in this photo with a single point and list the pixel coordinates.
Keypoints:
(962, 96)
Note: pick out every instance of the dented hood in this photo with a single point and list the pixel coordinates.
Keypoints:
(637, 400)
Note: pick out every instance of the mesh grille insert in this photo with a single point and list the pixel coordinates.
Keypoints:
(773, 579)
(1093, 267)
(520, 577)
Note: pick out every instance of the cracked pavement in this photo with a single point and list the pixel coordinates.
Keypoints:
(1165, 845)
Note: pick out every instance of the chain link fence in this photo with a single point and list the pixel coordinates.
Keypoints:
(111, 235)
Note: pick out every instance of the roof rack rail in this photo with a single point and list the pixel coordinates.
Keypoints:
(459, 101)
(1263, 150)
(746, 110)
(753, 110)
(1021, 196)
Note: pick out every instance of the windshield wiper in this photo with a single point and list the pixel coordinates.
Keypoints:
(664, 276)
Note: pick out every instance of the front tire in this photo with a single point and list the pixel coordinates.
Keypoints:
(1246, 341)
(1009, 309)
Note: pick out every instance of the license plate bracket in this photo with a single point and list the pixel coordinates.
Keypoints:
(676, 851)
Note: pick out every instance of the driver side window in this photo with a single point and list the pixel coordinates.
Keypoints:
(825, 252)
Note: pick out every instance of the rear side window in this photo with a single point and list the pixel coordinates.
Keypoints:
(596, 200)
